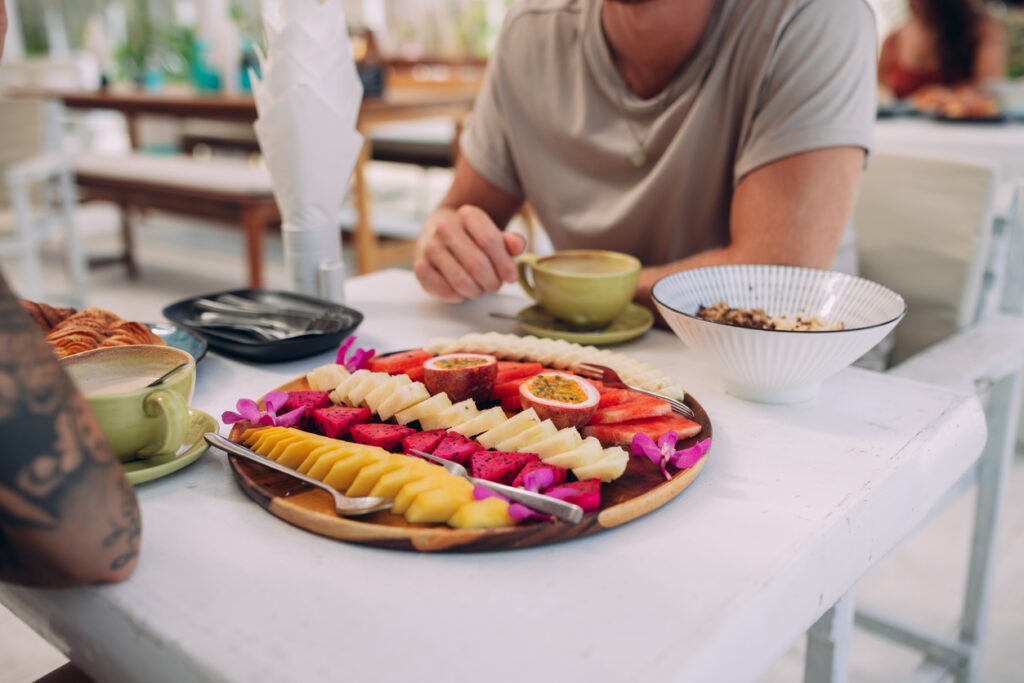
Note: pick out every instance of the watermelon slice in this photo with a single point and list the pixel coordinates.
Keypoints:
(398, 363)
(509, 388)
(415, 373)
(613, 397)
(636, 409)
(512, 404)
(509, 370)
(621, 433)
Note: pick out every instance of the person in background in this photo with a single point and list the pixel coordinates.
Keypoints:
(68, 514)
(946, 46)
(684, 132)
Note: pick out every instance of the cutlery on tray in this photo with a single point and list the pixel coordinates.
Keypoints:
(610, 378)
(344, 505)
(269, 328)
(565, 511)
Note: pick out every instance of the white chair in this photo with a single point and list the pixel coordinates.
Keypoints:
(39, 188)
(925, 229)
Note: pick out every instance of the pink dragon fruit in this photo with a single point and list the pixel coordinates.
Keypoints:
(423, 441)
(499, 466)
(336, 421)
(457, 448)
(385, 436)
(586, 494)
(558, 473)
(310, 400)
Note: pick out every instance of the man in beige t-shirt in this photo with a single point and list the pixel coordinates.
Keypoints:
(684, 132)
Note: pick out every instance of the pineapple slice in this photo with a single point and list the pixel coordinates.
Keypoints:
(344, 471)
(459, 412)
(588, 452)
(357, 394)
(481, 514)
(538, 432)
(487, 420)
(370, 474)
(326, 377)
(610, 466)
(392, 482)
(436, 506)
(563, 440)
(432, 406)
(384, 391)
(515, 425)
(405, 397)
(340, 393)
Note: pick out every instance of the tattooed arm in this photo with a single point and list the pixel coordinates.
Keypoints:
(67, 513)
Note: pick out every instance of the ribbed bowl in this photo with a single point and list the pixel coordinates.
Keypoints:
(777, 366)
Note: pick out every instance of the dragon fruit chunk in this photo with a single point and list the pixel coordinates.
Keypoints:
(586, 494)
(499, 466)
(558, 473)
(336, 421)
(457, 448)
(423, 441)
(386, 436)
(310, 400)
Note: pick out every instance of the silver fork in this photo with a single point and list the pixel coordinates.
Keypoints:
(610, 378)
(343, 505)
(268, 328)
(565, 511)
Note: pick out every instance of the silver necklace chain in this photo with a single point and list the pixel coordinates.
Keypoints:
(639, 153)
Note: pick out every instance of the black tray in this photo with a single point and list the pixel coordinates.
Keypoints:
(248, 347)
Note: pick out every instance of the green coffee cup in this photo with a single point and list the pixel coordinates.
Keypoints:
(138, 421)
(586, 288)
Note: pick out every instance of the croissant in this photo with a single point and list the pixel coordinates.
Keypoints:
(70, 331)
(46, 316)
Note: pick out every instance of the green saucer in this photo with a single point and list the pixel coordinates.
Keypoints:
(195, 445)
(632, 322)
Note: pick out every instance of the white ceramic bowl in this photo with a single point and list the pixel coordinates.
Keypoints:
(776, 366)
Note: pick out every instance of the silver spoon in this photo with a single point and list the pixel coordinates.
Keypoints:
(164, 377)
(343, 505)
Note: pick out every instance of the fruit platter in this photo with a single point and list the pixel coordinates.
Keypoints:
(510, 409)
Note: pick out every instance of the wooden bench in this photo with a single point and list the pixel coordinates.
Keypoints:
(225, 190)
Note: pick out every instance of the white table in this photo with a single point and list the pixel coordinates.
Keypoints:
(795, 504)
(1000, 144)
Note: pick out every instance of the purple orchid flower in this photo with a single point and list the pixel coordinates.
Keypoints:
(534, 481)
(248, 410)
(664, 452)
(358, 358)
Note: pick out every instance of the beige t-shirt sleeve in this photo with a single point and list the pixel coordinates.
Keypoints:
(819, 86)
(485, 140)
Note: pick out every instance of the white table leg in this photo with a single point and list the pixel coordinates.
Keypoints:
(828, 644)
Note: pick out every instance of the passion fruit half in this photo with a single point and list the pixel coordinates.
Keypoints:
(562, 397)
(461, 375)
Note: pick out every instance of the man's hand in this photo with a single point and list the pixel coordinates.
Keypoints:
(463, 254)
(463, 251)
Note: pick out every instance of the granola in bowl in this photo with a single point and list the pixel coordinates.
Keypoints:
(757, 319)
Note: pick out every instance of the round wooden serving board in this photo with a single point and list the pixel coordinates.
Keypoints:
(641, 489)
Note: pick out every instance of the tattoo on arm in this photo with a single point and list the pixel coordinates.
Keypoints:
(50, 442)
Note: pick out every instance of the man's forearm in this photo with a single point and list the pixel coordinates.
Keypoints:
(67, 513)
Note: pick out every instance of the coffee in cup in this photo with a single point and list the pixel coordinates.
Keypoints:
(138, 421)
(586, 288)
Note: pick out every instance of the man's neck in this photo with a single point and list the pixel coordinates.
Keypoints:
(651, 39)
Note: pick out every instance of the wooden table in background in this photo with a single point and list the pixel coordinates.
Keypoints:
(396, 105)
